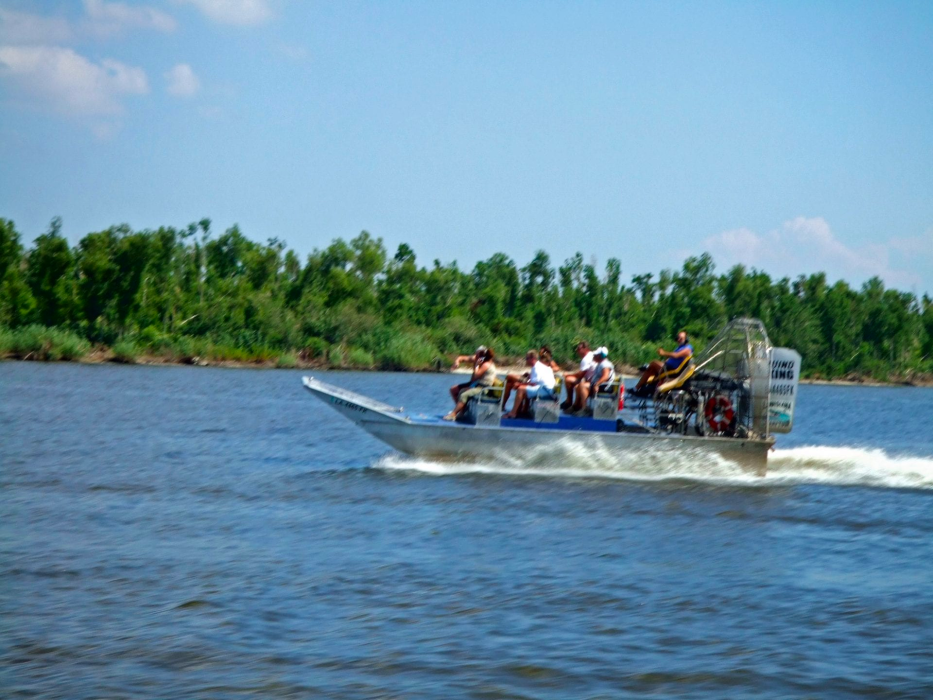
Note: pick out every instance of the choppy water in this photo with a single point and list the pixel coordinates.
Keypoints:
(193, 532)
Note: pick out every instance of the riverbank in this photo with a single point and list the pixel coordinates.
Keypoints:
(919, 381)
(103, 355)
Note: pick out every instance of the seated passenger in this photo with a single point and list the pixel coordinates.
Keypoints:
(572, 380)
(544, 354)
(599, 379)
(604, 373)
(484, 375)
(540, 384)
(512, 381)
(476, 359)
(675, 360)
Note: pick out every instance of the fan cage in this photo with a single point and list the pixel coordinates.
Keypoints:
(741, 352)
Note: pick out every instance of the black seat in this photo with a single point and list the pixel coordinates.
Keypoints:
(645, 392)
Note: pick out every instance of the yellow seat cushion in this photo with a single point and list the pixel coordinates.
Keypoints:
(670, 373)
(677, 382)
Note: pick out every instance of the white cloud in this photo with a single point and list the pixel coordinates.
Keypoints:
(241, 12)
(66, 82)
(25, 28)
(101, 20)
(182, 82)
(806, 245)
(110, 18)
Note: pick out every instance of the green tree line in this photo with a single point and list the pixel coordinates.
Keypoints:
(185, 292)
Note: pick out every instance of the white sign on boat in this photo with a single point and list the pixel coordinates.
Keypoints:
(785, 374)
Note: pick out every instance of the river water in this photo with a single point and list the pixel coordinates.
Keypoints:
(174, 532)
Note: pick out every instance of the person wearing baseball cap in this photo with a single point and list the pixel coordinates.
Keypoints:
(605, 372)
(574, 379)
(598, 378)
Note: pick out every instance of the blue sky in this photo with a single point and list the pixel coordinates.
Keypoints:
(793, 137)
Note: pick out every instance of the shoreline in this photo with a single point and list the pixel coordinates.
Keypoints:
(100, 357)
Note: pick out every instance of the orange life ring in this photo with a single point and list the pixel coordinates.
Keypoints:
(719, 413)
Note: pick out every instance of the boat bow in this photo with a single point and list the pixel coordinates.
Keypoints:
(358, 408)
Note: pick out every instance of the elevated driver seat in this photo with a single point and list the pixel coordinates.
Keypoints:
(668, 378)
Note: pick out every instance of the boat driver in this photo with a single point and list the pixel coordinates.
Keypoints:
(674, 360)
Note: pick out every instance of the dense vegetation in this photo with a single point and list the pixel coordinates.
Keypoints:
(185, 293)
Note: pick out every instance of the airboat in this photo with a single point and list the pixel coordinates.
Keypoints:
(725, 403)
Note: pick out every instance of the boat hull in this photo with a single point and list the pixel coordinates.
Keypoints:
(430, 437)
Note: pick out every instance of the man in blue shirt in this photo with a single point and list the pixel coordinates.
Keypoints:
(674, 361)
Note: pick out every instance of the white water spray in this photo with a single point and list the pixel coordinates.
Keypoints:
(797, 465)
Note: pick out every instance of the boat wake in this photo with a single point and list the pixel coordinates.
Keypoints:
(848, 466)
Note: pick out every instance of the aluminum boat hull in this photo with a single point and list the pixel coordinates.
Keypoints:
(431, 437)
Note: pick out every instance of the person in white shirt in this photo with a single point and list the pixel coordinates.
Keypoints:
(540, 384)
(574, 379)
(598, 378)
(512, 381)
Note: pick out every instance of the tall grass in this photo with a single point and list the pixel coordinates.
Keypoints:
(408, 351)
(6, 341)
(357, 358)
(336, 356)
(288, 360)
(125, 351)
(40, 343)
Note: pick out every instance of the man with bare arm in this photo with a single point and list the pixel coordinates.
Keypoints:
(540, 384)
(574, 379)
(674, 360)
(476, 360)
(597, 379)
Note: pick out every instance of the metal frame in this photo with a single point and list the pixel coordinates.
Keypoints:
(736, 365)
